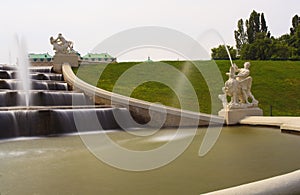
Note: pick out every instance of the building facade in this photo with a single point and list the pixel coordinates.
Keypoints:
(94, 58)
(43, 59)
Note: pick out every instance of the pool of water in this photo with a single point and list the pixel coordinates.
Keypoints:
(63, 165)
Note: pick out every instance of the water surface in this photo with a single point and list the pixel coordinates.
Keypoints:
(63, 165)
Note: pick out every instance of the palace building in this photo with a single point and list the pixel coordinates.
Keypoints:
(45, 59)
(94, 58)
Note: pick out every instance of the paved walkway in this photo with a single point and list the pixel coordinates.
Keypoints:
(284, 123)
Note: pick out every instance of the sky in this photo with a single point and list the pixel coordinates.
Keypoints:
(88, 23)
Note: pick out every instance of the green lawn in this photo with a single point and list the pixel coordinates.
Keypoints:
(275, 83)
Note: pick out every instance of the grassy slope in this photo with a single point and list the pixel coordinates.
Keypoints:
(275, 83)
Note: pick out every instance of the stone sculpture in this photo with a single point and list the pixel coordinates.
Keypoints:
(61, 45)
(64, 53)
(238, 87)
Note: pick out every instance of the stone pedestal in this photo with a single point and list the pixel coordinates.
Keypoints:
(60, 59)
(233, 116)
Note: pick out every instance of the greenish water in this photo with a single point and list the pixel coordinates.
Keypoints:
(63, 165)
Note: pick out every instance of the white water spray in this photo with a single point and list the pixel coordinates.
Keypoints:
(23, 70)
(228, 53)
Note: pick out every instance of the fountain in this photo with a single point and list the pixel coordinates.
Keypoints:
(23, 71)
(62, 165)
(238, 87)
(50, 109)
(35, 101)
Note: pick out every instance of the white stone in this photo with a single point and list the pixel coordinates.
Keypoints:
(283, 184)
(238, 88)
(289, 124)
(60, 59)
(233, 116)
(61, 45)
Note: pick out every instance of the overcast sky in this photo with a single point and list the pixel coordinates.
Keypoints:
(88, 22)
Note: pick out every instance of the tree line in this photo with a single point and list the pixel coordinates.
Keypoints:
(254, 41)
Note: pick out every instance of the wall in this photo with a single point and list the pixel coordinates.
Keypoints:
(42, 63)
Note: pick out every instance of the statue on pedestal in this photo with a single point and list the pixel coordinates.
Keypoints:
(238, 87)
(64, 53)
(61, 45)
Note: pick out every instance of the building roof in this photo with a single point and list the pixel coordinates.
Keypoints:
(97, 55)
(39, 56)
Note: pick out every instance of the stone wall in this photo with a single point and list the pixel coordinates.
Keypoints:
(42, 63)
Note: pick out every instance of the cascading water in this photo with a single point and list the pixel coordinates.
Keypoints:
(23, 71)
(50, 101)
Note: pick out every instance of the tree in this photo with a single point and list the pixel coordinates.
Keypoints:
(240, 35)
(256, 43)
(253, 26)
(220, 53)
(260, 49)
(249, 32)
(280, 50)
(256, 21)
(294, 38)
(295, 24)
(264, 27)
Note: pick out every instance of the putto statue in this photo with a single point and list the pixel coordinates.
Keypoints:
(238, 87)
(61, 45)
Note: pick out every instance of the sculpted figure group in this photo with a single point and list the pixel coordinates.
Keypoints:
(61, 45)
(238, 87)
